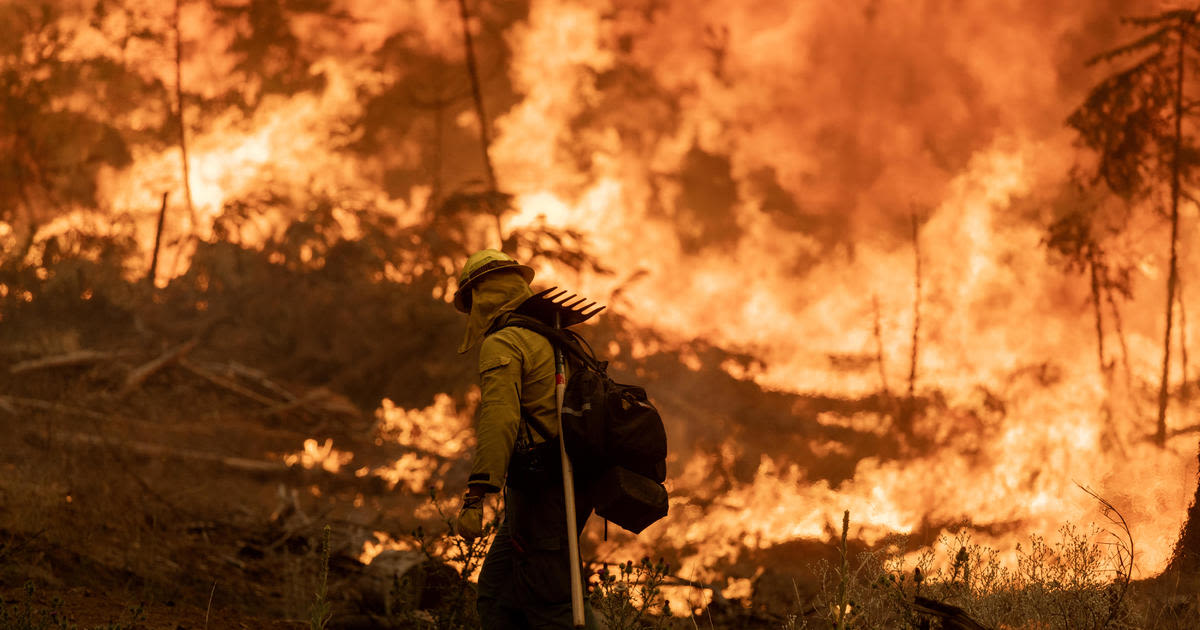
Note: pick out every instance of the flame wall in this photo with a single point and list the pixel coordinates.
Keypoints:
(749, 172)
(760, 164)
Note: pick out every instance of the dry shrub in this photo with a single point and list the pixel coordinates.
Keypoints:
(631, 598)
(1076, 582)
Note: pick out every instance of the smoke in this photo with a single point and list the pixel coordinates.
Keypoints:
(751, 174)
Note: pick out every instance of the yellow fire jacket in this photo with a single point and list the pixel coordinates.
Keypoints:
(516, 372)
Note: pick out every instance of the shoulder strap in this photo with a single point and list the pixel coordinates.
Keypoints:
(556, 337)
(563, 339)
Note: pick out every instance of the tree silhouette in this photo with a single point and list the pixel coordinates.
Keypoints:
(1079, 238)
(1141, 123)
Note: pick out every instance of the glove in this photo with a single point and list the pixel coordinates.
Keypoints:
(469, 524)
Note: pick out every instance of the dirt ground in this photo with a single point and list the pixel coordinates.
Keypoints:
(173, 497)
(171, 506)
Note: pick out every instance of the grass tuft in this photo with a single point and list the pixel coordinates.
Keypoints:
(320, 611)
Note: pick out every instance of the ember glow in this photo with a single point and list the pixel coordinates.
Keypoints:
(438, 434)
(322, 456)
(750, 174)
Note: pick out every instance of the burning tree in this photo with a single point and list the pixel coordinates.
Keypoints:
(1082, 237)
(1141, 122)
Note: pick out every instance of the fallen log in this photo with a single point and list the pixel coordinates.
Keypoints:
(158, 450)
(70, 359)
(229, 384)
(332, 481)
(259, 377)
(144, 371)
(11, 402)
(205, 426)
(320, 399)
(208, 426)
(952, 617)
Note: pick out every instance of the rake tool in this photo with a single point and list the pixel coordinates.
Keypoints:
(558, 306)
(565, 310)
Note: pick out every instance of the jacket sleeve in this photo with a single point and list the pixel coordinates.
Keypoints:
(500, 374)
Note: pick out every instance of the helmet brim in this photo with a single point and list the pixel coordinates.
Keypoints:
(462, 297)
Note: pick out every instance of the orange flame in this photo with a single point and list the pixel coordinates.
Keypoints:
(668, 137)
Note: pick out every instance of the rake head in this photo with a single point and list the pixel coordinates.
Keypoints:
(571, 309)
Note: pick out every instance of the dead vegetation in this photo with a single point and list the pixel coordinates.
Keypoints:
(1084, 579)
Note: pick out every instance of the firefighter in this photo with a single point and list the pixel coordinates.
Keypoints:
(525, 579)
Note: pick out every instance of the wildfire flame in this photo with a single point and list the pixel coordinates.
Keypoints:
(750, 172)
(319, 455)
(439, 433)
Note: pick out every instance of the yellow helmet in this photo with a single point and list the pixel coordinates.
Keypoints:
(480, 264)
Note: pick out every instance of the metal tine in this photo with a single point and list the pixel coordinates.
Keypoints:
(570, 302)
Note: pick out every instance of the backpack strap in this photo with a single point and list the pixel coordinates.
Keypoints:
(563, 339)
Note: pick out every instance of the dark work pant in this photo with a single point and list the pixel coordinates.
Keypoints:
(525, 581)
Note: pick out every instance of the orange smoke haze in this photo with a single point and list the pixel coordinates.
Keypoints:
(863, 113)
(749, 172)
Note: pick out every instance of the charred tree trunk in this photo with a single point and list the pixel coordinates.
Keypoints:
(485, 140)
(916, 335)
(162, 214)
(1186, 557)
(1120, 328)
(878, 330)
(1172, 273)
(187, 184)
(477, 93)
(1096, 288)
(1185, 387)
(910, 402)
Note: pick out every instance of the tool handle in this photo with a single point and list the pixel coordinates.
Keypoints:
(560, 388)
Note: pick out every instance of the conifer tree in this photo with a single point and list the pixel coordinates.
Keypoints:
(1141, 122)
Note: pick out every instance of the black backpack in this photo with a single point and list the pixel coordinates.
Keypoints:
(613, 434)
